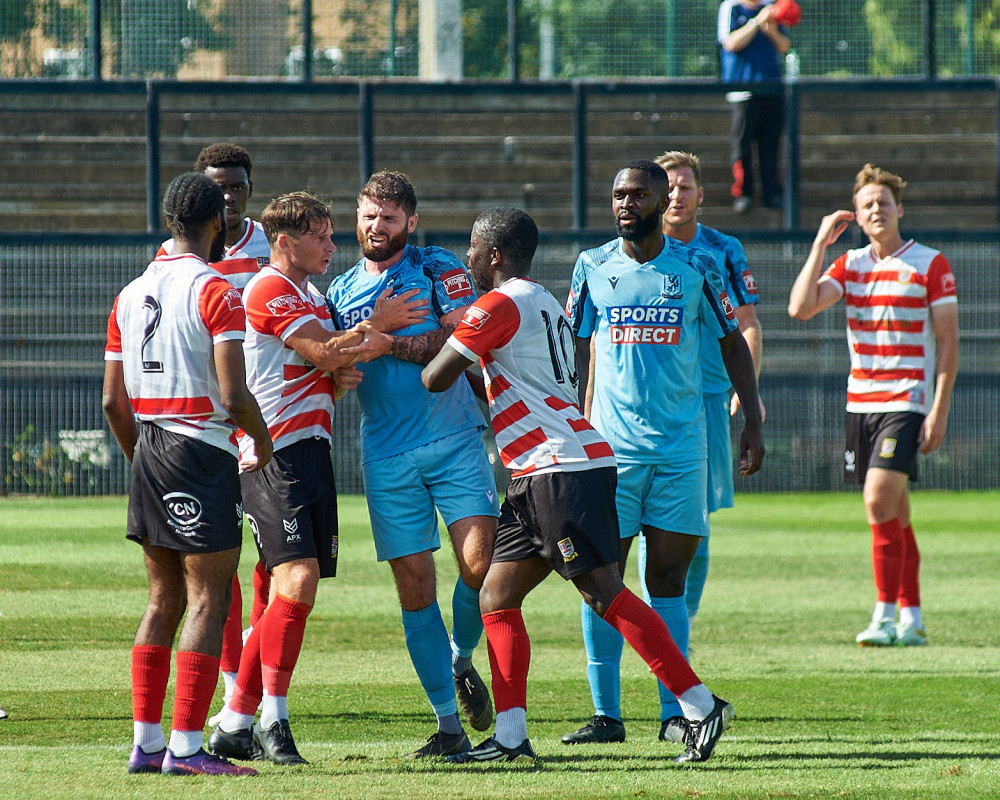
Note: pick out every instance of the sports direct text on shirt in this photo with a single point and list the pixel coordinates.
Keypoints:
(645, 324)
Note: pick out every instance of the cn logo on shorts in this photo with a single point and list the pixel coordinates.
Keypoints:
(184, 512)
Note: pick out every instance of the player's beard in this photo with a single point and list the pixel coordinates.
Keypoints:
(218, 249)
(642, 228)
(385, 251)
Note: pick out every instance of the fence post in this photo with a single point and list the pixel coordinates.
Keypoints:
(513, 42)
(366, 132)
(96, 42)
(997, 128)
(307, 41)
(792, 171)
(152, 156)
(930, 57)
(579, 156)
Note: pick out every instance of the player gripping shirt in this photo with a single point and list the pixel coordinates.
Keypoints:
(241, 261)
(292, 503)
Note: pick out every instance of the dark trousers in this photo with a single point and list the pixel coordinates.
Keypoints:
(759, 120)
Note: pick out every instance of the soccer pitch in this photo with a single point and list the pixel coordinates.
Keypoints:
(789, 587)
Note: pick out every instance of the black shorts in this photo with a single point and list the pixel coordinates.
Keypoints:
(883, 441)
(185, 494)
(567, 518)
(291, 506)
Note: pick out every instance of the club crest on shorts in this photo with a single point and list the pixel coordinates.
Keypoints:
(850, 461)
(888, 448)
(183, 512)
(567, 549)
(334, 546)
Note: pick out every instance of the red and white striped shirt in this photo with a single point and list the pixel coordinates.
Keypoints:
(889, 327)
(520, 335)
(295, 397)
(163, 328)
(243, 260)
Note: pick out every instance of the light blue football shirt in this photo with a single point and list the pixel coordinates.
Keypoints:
(647, 320)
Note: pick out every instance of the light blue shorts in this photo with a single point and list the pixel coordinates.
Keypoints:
(668, 498)
(720, 452)
(452, 475)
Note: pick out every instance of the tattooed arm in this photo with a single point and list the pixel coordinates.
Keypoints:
(419, 349)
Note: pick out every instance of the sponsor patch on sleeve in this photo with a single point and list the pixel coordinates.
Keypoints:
(233, 299)
(456, 284)
(285, 304)
(475, 317)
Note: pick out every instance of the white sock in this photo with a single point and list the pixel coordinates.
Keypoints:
(512, 727)
(148, 736)
(232, 721)
(272, 709)
(884, 611)
(228, 684)
(185, 743)
(697, 702)
(911, 614)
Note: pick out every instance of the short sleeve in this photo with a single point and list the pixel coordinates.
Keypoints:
(487, 324)
(273, 307)
(113, 348)
(941, 282)
(222, 310)
(579, 305)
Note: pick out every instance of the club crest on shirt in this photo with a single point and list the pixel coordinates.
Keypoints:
(286, 304)
(456, 284)
(475, 317)
(567, 549)
(671, 287)
(850, 461)
(888, 448)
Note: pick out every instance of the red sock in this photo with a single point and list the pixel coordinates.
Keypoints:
(282, 629)
(510, 655)
(647, 633)
(150, 675)
(232, 634)
(197, 675)
(909, 584)
(249, 687)
(887, 559)
(261, 590)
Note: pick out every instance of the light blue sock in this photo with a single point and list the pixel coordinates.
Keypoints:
(673, 612)
(466, 625)
(697, 573)
(604, 653)
(430, 652)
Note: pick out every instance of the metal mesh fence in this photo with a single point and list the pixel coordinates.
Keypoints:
(214, 39)
(55, 297)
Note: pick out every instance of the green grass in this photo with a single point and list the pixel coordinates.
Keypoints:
(790, 585)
